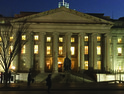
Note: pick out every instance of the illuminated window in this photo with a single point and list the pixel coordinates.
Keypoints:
(119, 51)
(48, 39)
(72, 50)
(98, 38)
(2, 21)
(98, 50)
(98, 65)
(119, 40)
(60, 50)
(60, 39)
(86, 50)
(86, 38)
(36, 37)
(86, 65)
(11, 38)
(0, 39)
(72, 39)
(10, 49)
(48, 50)
(23, 50)
(35, 49)
(23, 37)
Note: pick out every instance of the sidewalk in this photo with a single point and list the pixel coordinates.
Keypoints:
(64, 86)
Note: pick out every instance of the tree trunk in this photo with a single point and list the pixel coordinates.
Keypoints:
(6, 77)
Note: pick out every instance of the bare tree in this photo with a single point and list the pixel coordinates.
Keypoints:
(11, 43)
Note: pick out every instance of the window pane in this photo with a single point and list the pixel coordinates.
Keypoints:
(23, 50)
(36, 37)
(60, 50)
(98, 38)
(119, 51)
(35, 49)
(98, 50)
(11, 38)
(48, 39)
(119, 40)
(99, 65)
(60, 39)
(72, 39)
(23, 37)
(0, 39)
(10, 49)
(48, 50)
(72, 50)
(86, 38)
(86, 50)
(86, 65)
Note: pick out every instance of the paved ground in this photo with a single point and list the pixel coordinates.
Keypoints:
(64, 86)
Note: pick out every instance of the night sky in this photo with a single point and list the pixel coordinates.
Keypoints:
(113, 8)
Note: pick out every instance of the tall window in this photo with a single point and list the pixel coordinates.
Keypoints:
(60, 50)
(48, 51)
(72, 39)
(23, 49)
(98, 50)
(86, 38)
(11, 38)
(10, 49)
(72, 50)
(98, 38)
(36, 37)
(98, 65)
(86, 50)
(0, 39)
(35, 49)
(86, 65)
(119, 51)
(60, 39)
(23, 37)
(119, 40)
(48, 39)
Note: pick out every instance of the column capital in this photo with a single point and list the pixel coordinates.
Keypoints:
(69, 33)
(81, 34)
(55, 33)
(43, 33)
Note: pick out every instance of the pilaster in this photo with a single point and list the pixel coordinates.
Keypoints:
(55, 52)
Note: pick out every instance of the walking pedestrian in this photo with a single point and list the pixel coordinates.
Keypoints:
(29, 78)
(48, 83)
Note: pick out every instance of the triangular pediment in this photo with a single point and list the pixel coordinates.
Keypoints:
(63, 15)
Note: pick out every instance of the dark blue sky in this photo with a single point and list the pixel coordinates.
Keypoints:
(113, 8)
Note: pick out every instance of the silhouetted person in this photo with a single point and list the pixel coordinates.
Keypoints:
(1, 77)
(67, 64)
(29, 78)
(9, 76)
(49, 82)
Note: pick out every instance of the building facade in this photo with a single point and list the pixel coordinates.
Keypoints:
(90, 42)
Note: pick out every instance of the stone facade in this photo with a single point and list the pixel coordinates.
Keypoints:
(90, 42)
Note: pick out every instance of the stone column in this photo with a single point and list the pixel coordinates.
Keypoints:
(82, 63)
(55, 52)
(90, 64)
(31, 49)
(68, 45)
(107, 52)
(42, 52)
(95, 51)
(114, 52)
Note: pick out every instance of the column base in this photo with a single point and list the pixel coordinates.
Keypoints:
(55, 71)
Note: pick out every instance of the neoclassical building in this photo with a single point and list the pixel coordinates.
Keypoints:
(91, 41)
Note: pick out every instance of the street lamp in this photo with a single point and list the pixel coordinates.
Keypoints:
(120, 72)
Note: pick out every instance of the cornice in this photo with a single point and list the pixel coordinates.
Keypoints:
(96, 19)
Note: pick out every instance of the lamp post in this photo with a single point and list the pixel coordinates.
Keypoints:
(120, 73)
